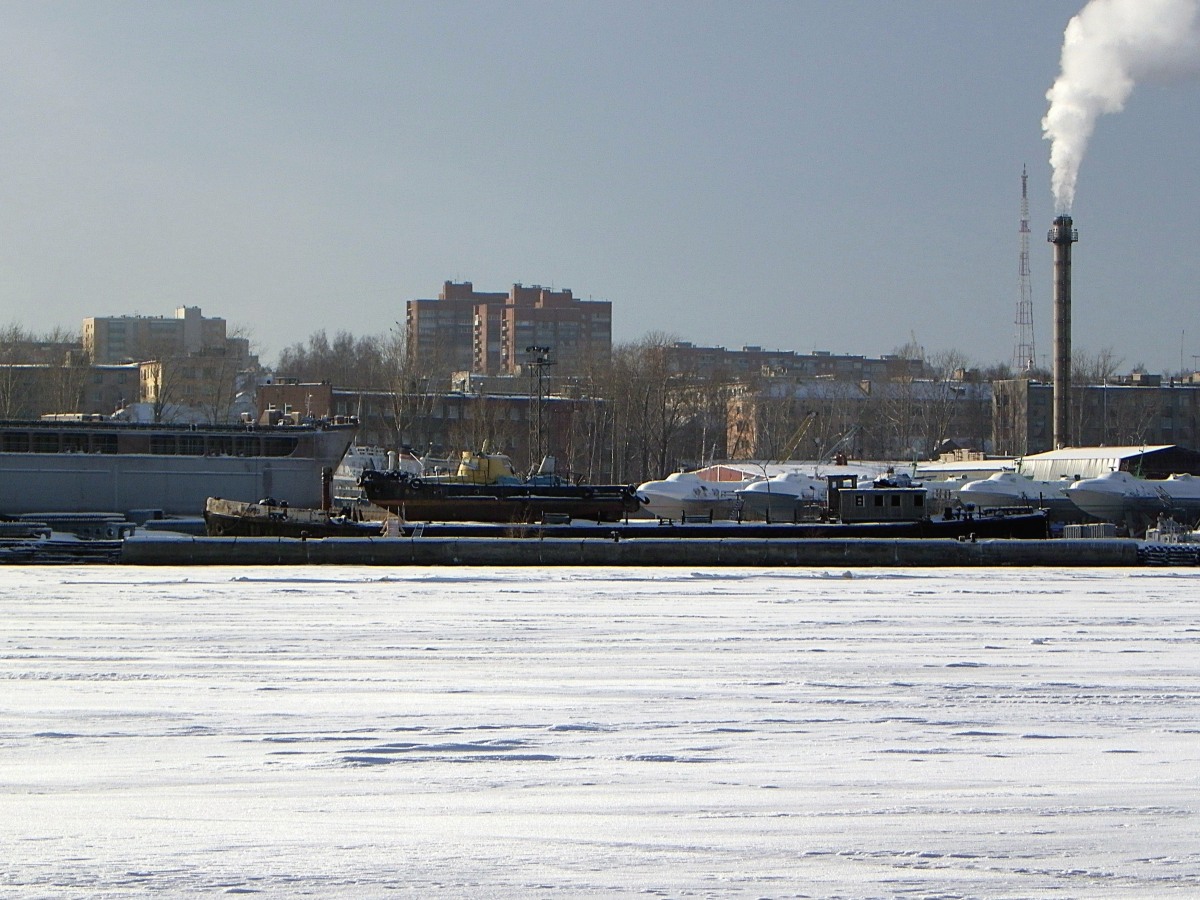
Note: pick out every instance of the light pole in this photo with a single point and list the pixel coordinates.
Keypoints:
(538, 363)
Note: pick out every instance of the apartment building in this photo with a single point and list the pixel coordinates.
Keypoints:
(110, 340)
(489, 333)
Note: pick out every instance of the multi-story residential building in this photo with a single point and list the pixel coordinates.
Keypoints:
(575, 331)
(442, 332)
(488, 333)
(117, 339)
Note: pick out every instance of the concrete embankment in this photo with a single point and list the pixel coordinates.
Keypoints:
(426, 551)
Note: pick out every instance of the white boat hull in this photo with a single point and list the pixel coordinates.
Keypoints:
(1119, 497)
(669, 506)
(1012, 489)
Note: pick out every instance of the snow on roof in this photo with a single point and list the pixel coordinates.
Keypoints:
(1089, 453)
(1082, 462)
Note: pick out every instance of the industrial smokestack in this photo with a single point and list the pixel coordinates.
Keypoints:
(1110, 46)
(1062, 235)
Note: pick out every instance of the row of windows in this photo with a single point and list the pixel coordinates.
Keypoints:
(159, 444)
(54, 442)
(883, 500)
(220, 445)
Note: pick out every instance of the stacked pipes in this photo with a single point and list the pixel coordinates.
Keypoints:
(1062, 236)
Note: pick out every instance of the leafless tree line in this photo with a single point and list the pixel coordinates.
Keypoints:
(38, 372)
(639, 418)
(647, 419)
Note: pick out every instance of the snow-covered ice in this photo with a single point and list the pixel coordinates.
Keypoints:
(599, 732)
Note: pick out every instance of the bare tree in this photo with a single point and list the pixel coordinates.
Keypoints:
(13, 374)
(412, 391)
(652, 405)
(346, 361)
(1098, 368)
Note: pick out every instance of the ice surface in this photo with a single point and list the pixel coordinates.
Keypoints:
(598, 732)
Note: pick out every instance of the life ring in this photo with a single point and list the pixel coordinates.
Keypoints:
(415, 484)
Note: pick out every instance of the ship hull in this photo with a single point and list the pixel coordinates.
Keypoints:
(779, 507)
(229, 518)
(1014, 525)
(177, 484)
(1124, 499)
(1058, 507)
(1115, 507)
(420, 500)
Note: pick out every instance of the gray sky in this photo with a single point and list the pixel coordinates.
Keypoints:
(803, 175)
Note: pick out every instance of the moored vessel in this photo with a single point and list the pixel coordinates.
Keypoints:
(235, 518)
(1124, 499)
(486, 488)
(710, 492)
(95, 464)
(1015, 489)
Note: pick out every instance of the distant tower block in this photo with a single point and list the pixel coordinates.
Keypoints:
(1024, 354)
(1062, 236)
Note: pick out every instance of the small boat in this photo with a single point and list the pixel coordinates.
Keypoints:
(24, 542)
(899, 507)
(794, 496)
(1124, 499)
(1167, 531)
(486, 488)
(1014, 489)
(270, 518)
(711, 492)
(787, 497)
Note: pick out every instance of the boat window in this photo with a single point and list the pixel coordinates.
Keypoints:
(74, 443)
(895, 499)
(220, 445)
(191, 445)
(278, 446)
(879, 501)
(162, 444)
(16, 442)
(45, 442)
(918, 500)
(104, 443)
(245, 446)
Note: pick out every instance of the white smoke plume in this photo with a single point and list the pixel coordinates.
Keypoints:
(1108, 47)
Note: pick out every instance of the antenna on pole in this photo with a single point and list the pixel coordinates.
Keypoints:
(1024, 354)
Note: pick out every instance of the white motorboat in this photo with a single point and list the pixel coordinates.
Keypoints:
(712, 491)
(783, 497)
(1015, 489)
(1123, 498)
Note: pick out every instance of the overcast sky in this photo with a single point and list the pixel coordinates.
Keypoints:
(802, 175)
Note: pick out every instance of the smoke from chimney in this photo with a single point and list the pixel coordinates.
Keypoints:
(1108, 47)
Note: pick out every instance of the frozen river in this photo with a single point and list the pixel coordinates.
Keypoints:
(595, 733)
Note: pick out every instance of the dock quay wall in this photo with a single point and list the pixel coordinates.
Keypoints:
(739, 552)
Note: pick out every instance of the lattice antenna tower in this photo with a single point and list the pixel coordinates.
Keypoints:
(1024, 355)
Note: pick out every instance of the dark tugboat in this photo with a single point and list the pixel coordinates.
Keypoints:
(486, 488)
